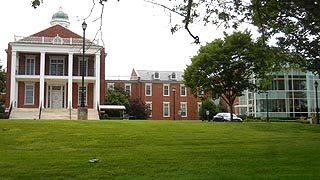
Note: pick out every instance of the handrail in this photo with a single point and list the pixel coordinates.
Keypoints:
(40, 110)
(98, 109)
(10, 109)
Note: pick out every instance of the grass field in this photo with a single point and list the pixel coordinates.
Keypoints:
(138, 150)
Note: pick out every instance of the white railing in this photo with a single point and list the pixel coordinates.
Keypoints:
(52, 40)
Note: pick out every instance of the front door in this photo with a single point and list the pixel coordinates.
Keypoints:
(56, 97)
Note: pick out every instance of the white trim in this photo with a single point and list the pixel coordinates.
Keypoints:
(86, 94)
(145, 89)
(97, 83)
(70, 74)
(185, 90)
(163, 109)
(42, 74)
(25, 93)
(33, 58)
(86, 59)
(163, 89)
(13, 79)
(150, 103)
(125, 88)
(186, 109)
(56, 58)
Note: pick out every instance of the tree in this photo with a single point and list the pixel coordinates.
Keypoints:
(138, 109)
(116, 97)
(226, 67)
(208, 105)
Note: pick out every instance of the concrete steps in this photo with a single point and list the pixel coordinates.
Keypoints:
(53, 114)
(24, 113)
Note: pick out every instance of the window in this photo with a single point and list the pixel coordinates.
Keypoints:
(110, 86)
(80, 66)
(149, 108)
(127, 88)
(84, 93)
(57, 40)
(29, 94)
(166, 90)
(156, 75)
(166, 109)
(183, 108)
(30, 65)
(148, 88)
(173, 76)
(56, 66)
(183, 90)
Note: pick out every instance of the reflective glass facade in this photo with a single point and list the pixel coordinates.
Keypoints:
(291, 94)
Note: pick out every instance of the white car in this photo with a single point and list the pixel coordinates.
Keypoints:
(225, 117)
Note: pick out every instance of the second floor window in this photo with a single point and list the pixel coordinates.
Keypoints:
(128, 89)
(81, 64)
(30, 65)
(56, 67)
(165, 90)
(110, 86)
(148, 89)
(183, 91)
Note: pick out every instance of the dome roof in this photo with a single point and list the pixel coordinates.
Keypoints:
(60, 18)
(60, 15)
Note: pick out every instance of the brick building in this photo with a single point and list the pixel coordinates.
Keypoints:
(43, 70)
(163, 92)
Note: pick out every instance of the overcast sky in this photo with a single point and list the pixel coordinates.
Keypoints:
(136, 34)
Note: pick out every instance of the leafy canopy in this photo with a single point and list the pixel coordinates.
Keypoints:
(226, 67)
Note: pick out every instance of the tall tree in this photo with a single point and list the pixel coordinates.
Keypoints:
(226, 67)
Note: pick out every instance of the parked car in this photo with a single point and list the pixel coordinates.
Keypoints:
(225, 117)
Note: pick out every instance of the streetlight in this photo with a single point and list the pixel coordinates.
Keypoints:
(317, 107)
(174, 103)
(84, 27)
(267, 106)
(83, 111)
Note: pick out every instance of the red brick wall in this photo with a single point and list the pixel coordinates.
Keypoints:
(74, 95)
(8, 82)
(90, 95)
(102, 75)
(157, 99)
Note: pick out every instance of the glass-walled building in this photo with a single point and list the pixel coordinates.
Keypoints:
(291, 94)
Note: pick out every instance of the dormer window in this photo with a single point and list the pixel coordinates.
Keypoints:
(156, 75)
(173, 76)
(57, 40)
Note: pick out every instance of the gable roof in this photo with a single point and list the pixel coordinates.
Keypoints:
(54, 30)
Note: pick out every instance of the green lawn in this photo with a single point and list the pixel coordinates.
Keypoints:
(165, 150)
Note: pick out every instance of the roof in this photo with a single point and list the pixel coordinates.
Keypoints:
(151, 75)
(116, 107)
(54, 30)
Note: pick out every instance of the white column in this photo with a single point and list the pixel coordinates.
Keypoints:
(42, 69)
(13, 79)
(70, 73)
(97, 83)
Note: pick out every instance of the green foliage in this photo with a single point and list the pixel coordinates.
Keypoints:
(208, 105)
(175, 150)
(226, 67)
(116, 97)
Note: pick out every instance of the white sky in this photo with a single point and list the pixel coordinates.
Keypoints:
(136, 34)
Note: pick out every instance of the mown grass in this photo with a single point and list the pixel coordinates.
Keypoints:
(138, 150)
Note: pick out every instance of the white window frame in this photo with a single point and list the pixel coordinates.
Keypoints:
(126, 90)
(32, 61)
(85, 94)
(166, 90)
(150, 85)
(110, 86)
(185, 104)
(164, 109)
(185, 90)
(86, 66)
(25, 94)
(149, 105)
(58, 58)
